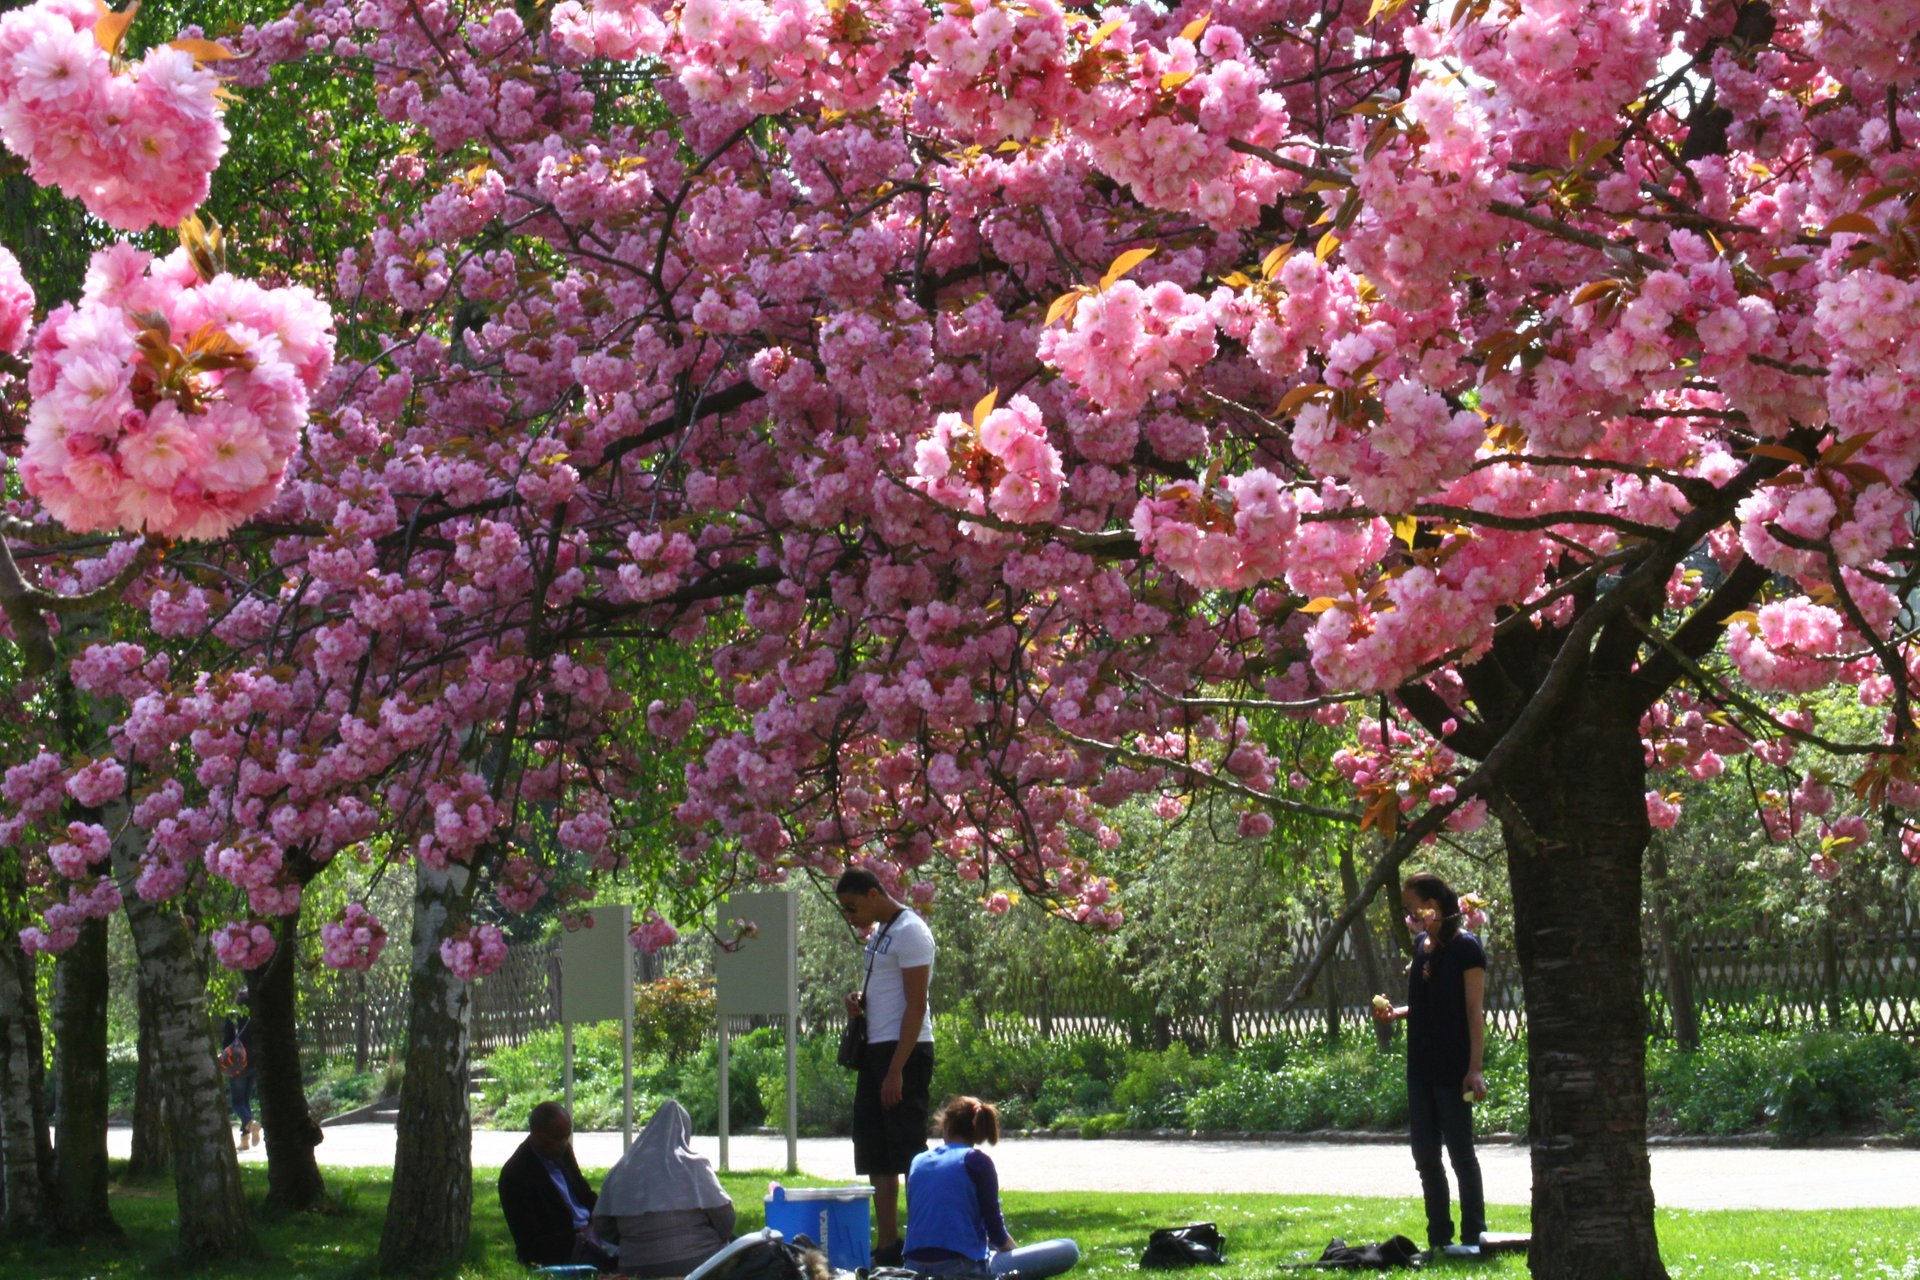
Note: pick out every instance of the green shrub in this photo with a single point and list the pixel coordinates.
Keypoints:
(1835, 1084)
(1154, 1091)
(673, 1016)
(826, 1089)
(1297, 1084)
(1719, 1089)
(527, 1074)
(750, 1059)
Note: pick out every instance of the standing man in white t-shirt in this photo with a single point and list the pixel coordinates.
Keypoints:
(890, 1093)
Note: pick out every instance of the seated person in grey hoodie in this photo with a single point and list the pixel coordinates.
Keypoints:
(661, 1206)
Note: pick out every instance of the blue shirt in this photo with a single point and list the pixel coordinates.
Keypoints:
(558, 1173)
(954, 1193)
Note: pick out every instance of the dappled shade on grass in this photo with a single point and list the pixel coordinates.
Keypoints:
(1262, 1232)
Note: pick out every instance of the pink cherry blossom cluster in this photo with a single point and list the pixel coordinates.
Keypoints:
(1235, 537)
(1007, 467)
(243, 944)
(1406, 770)
(1559, 65)
(16, 305)
(474, 951)
(136, 143)
(1128, 343)
(519, 885)
(652, 933)
(1473, 912)
(354, 941)
(59, 926)
(1164, 121)
(1421, 224)
(168, 404)
(1663, 811)
(1416, 446)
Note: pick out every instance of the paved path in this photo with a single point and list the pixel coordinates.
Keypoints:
(1683, 1177)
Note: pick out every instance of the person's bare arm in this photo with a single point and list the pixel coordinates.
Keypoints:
(1476, 1081)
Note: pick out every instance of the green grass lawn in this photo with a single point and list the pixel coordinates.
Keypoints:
(1262, 1232)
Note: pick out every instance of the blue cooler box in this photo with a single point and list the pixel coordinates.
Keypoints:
(838, 1219)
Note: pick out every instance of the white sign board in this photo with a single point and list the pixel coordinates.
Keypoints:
(760, 976)
(596, 968)
(596, 985)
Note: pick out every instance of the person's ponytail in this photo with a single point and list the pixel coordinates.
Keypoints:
(967, 1119)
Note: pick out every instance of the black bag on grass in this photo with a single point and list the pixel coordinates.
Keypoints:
(1197, 1244)
(1389, 1255)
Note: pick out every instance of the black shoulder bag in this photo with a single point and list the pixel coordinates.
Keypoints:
(853, 1037)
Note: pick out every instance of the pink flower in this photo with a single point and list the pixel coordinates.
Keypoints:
(16, 305)
(136, 142)
(243, 944)
(354, 941)
(474, 952)
(110, 445)
(653, 933)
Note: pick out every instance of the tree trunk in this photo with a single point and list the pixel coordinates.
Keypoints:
(152, 1153)
(1574, 817)
(26, 1155)
(206, 1172)
(293, 1174)
(1363, 947)
(431, 1212)
(1674, 955)
(80, 1071)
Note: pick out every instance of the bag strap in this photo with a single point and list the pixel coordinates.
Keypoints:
(873, 953)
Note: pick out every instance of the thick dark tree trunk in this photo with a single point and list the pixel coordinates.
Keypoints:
(206, 1172)
(152, 1153)
(80, 1071)
(1574, 815)
(26, 1153)
(431, 1212)
(293, 1174)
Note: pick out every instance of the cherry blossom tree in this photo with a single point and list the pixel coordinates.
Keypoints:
(1015, 401)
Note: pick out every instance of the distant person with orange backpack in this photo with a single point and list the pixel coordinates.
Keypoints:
(236, 1064)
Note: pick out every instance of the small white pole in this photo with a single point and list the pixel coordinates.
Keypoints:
(793, 1046)
(725, 1100)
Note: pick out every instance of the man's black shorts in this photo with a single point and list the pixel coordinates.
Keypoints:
(886, 1139)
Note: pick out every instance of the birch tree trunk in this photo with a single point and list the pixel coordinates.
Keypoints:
(206, 1172)
(431, 1212)
(152, 1141)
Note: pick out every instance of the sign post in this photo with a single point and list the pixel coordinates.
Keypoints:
(760, 977)
(596, 985)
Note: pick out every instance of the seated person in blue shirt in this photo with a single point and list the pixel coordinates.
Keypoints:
(954, 1224)
(547, 1202)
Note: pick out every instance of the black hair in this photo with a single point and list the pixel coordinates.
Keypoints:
(544, 1116)
(856, 880)
(1428, 887)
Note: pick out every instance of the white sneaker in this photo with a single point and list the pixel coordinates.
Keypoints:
(1461, 1250)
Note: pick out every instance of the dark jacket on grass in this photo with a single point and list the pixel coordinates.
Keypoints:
(538, 1216)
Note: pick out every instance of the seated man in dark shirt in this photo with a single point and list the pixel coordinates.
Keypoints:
(547, 1202)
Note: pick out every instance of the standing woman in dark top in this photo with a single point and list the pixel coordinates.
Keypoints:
(1446, 1038)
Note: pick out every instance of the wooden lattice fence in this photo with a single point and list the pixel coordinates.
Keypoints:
(1768, 976)
(368, 1020)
